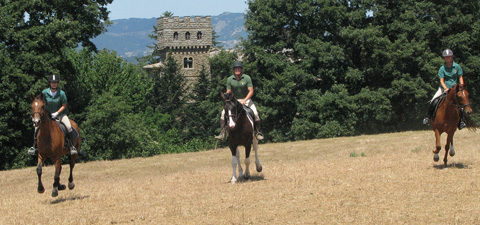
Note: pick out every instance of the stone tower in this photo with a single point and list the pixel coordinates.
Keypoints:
(189, 39)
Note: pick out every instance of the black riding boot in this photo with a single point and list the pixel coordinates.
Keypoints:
(222, 135)
(73, 150)
(462, 124)
(258, 133)
(32, 150)
(431, 109)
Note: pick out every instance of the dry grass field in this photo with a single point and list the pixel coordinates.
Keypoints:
(392, 180)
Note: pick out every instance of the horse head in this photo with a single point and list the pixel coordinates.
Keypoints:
(39, 110)
(231, 108)
(461, 98)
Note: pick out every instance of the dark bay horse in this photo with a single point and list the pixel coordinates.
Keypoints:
(51, 144)
(240, 132)
(448, 118)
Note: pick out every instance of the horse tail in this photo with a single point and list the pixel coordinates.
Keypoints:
(470, 122)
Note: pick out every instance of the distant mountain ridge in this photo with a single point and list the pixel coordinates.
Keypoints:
(129, 37)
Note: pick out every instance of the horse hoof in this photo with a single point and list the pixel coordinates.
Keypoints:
(233, 180)
(62, 187)
(54, 192)
(259, 168)
(452, 152)
(71, 185)
(41, 189)
(436, 157)
(246, 177)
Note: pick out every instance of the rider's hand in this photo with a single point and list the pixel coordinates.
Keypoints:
(447, 89)
(54, 115)
(243, 101)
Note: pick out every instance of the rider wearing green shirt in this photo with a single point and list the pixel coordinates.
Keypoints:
(241, 86)
(449, 74)
(56, 102)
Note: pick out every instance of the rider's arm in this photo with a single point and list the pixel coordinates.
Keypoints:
(250, 93)
(442, 82)
(460, 79)
(61, 109)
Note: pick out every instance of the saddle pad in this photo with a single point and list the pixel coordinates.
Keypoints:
(65, 132)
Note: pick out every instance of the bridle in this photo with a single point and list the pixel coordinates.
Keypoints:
(459, 106)
(236, 115)
(40, 113)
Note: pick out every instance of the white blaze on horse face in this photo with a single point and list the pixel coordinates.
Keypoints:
(230, 120)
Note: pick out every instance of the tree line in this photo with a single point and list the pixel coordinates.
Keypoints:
(320, 69)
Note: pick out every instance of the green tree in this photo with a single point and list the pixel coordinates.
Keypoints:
(33, 37)
(169, 88)
(330, 68)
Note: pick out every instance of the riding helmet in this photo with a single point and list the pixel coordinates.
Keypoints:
(447, 52)
(54, 78)
(237, 64)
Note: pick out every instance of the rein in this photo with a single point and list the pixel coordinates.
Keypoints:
(459, 106)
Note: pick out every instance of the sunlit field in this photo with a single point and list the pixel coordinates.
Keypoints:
(375, 179)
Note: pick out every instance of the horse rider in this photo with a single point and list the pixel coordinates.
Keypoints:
(450, 74)
(241, 86)
(56, 102)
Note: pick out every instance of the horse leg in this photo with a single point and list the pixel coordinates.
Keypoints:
(437, 146)
(240, 169)
(247, 161)
(452, 150)
(447, 147)
(56, 183)
(40, 187)
(234, 164)
(71, 185)
(257, 161)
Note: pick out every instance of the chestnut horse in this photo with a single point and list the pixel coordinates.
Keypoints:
(448, 118)
(51, 144)
(240, 132)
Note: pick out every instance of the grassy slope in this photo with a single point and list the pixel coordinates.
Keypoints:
(305, 182)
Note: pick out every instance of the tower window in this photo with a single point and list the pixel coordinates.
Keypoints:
(185, 62)
(199, 35)
(187, 36)
(190, 62)
(175, 36)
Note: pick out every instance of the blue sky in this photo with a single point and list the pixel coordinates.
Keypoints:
(124, 9)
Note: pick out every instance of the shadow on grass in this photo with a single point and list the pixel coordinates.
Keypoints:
(452, 165)
(252, 178)
(70, 198)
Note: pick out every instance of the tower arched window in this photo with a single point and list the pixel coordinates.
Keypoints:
(187, 36)
(175, 36)
(185, 62)
(190, 62)
(199, 35)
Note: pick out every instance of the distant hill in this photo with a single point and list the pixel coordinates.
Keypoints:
(129, 37)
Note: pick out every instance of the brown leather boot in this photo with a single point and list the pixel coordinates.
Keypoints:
(221, 136)
(258, 133)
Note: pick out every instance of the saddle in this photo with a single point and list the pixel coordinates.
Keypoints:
(433, 107)
(65, 131)
(250, 114)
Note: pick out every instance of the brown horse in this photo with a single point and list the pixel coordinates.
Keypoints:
(240, 132)
(448, 118)
(51, 144)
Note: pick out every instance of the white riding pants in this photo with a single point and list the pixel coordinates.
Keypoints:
(438, 93)
(249, 104)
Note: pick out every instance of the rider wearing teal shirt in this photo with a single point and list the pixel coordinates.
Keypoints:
(56, 102)
(450, 74)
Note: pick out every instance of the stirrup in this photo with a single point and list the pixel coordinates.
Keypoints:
(32, 151)
(259, 136)
(426, 121)
(221, 136)
(73, 151)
